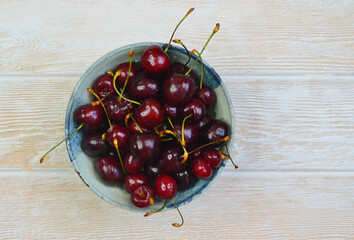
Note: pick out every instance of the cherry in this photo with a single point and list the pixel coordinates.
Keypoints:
(207, 96)
(201, 168)
(212, 156)
(185, 179)
(90, 116)
(103, 86)
(194, 107)
(215, 132)
(169, 161)
(133, 180)
(133, 127)
(120, 133)
(93, 145)
(165, 186)
(117, 108)
(171, 111)
(109, 170)
(144, 86)
(124, 67)
(131, 163)
(191, 133)
(178, 89)
(155, 60)
(145, 146)
(150, 113)
(195, 153)
(181, 69)
(152, 170)
(143, 196)
(204, 122)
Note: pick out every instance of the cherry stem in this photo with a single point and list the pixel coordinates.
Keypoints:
(174, 129)
(180, 42)
(77, 129)
(227, 150)
(92, 92)
(225, 139)
(152, 212)
(214, 31)
(166, 139)
(183, 142)
(115, 88)
(131, 53)
(177, 224)
(201, 66)
(110, 73)
(115, 142)
(169, 43)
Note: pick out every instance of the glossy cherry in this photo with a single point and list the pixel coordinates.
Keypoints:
(145, 146)
(133, 180)
(191, 133)
(124, 67)
(103, 86)
(152, 170)
(117, 108)
(201, 168)
(120, 133)
(178, 89)
(216, 131)
(181, 69)
(204, 122)
(165, 186)
(171, 110)
(142, 196)
(93, 145)
(195, 108)
(149, 114)
(207, 96)
(155, 60)
(131, 163)
(133, 128)
(184, 178)
(110, 170)
(90, 116)
(169, 160)
(144, 86)
(212, 156)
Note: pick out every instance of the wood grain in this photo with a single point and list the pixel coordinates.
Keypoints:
(250, 206)
(257, 36)
(283, 122)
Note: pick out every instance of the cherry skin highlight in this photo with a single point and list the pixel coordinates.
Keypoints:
(120, 133)
(110, 170)
(178, 89)
(212, 157)
(149, 114)
(133, 180)
(90, 116)
(155, 60)
(131, 163)
(201, 168)
(165, 186)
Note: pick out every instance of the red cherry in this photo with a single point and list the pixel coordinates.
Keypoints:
(196, 108)
(134, 128)
(93, 145)
(171, 111)
(124, 67)
(212, 157)
(216, 131)
(201, 168)
(207, 96)
(131, 163)
(169, 161)
(133, 180)
(142, 196)
(145, 146)
(165, 186)
(178, 89)
(149, 114)
(120, 133)
(117, 109)
(103, 86)
(155, 60)
(90, 116)
(110, 170)
(144, 86)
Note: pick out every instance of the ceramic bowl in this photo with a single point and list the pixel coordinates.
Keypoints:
(85, 165)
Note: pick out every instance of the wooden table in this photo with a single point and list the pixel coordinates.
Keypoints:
(288, 66)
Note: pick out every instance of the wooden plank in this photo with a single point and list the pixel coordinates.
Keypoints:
(255, 35)
(250, 206)
(283, 122)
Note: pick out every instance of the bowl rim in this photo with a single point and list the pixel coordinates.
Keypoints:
(96, 64)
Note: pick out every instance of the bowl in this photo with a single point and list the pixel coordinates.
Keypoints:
(85, 165)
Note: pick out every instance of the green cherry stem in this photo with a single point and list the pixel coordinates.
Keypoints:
(131, 53)
(77, 129)
(201, 52)
(169, 43)
(115, 142)
(100, 101)
(201, 66)
(152, 212)
(115, 88)
(177, 224)
(183, 142)
(228, 153)
(180, 42)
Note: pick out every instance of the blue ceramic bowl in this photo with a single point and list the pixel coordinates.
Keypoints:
(85, 165)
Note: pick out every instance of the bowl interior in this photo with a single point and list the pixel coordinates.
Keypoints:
(85, 165)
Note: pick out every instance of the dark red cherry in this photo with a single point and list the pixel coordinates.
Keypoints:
(171, 111)
(131, 163)
(155, 60)
(216, 131)
(103, 86)
(124, 67)
(142, 196)
(144, 86)
(134, 128)
(112, 152)
(169, 160)
(181, 69)
(90, 116)
(149, 114)
(93, 145)
(145, 146)
(120, 133)
(178, 89)
(191, 133)
(117, 109)
(165, 186)
(201, 168)
(110, 170)
(133, 180)
(207, 96)
(212, 157)
(195, 153)
(152, 170)
(204, 122)
(185, 179)
(194, 107)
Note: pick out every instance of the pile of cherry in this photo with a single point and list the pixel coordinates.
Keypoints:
(148, 127)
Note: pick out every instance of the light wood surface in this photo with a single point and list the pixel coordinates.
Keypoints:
(289, 68)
